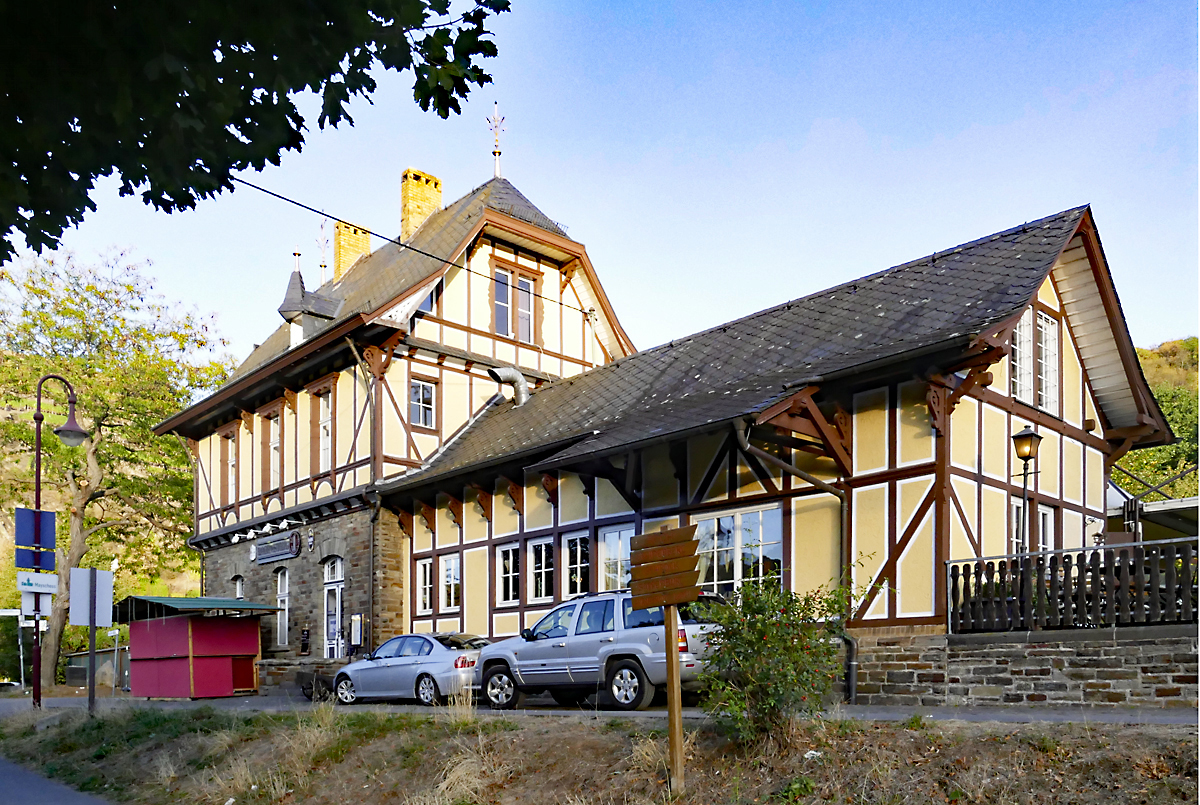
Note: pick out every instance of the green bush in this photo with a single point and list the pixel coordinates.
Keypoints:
(772, 656)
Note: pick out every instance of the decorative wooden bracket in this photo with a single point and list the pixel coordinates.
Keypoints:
(946, 391)
(376, 361)
(626, 481)
(936, 395)
(406, 523)
(801, 415)
(485, 500)
(550, 484)
(568, 274)
(428, 514)
(289, 399)
(247, 420)
(516, 492)
(455, 505)
(194, 448)
(589, 485)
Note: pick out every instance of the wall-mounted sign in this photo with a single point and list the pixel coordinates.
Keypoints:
(283, 545)
(356, 629)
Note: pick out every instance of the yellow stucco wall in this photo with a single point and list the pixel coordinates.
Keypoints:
(915, 434)
(993, 522)
(816, 542)
(1072, 383)
(1094, 479)
(571, 498)
(869, 514)
(659, 485)
(476, 591)
(995, 442)
(506, 623)
(870, 431)
(701, 452)
(914, 583)
(475, 524)
(1049, 456)
(505, 519)
(447, 529)
(539, 513)
(964, 434)
(608, 500)
(1072, 471)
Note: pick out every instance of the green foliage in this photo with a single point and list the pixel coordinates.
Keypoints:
(797, 790)
(176, 97)
(1170, 369)
(773, 656)
(914, 722)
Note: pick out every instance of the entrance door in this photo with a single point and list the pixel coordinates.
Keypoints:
(335, 640)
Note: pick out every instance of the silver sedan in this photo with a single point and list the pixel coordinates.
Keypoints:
(423, 667)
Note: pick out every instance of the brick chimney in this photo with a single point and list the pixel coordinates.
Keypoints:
(420, 197)
(349, 244)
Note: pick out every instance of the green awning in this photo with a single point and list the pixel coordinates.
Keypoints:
(145, 607)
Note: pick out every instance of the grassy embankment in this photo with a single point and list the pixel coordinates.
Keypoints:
(451, 757)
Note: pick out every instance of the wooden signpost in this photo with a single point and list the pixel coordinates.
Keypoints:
(665, 573)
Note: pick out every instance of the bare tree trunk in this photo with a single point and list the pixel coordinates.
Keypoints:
(70, 552)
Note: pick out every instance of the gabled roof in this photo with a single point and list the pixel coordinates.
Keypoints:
(391, 270)
(747, 365)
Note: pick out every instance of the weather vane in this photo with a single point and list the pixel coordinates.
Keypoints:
(497, 125)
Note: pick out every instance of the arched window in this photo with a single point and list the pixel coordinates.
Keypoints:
(239, 587)
(334, 571)
(281, 601)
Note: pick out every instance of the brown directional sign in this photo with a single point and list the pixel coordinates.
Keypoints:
(663, 568)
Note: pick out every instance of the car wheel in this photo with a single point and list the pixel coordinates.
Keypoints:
(569, 697)
(344, 688)
(501, 689)
(628, 686)
(427, 691)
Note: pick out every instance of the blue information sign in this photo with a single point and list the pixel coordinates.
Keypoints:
(25, 529)
(29, 559)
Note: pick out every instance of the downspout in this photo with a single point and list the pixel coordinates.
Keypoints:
(843, 543)
(370, 636)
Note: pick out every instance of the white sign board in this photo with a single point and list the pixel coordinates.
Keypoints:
(9, 613)
(27, 604)
(81, 580)
(30, 582)
(29, 624)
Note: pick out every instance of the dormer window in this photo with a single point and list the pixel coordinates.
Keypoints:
(513, 295)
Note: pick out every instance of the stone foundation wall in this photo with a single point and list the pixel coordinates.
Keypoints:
(1148, 666)
(278, 677)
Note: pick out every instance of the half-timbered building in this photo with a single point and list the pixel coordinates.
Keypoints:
(864, 429)
(367, 378)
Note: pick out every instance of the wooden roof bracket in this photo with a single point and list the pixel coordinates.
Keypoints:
(625, 481)
(485, 500)
(800, 414)
(428, 514)
(550, 484)
(516, 493)
(455, 507)
(406, 523)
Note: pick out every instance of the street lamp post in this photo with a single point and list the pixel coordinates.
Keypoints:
(1026, 444)
(72, 436)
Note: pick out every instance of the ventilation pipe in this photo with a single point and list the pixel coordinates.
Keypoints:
(824, 486)
(512, 376)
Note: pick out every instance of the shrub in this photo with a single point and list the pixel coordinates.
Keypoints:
(772, 656)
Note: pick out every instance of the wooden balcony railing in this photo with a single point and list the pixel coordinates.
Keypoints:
(1135, 584)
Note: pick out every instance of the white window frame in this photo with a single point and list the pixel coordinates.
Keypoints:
(239, 588)
(504, 322)
(1047, 363)
(450, 583)
(1016, 510)
(577, 569)
(325, 431)
(424, 586)
(1021, 359)
(512, 576)
(231, 485)
(524, 306)
(275, 450)
(606, 538)
(281, 600)
(419, 407)
(739, 545)
(1047, 526)
(333, 571)
(541, 569)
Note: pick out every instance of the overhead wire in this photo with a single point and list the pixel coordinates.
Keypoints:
(442, 260)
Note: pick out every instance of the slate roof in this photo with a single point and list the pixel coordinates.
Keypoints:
(747, 365)
(391, 270)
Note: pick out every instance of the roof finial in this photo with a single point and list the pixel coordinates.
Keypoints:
(497, 125)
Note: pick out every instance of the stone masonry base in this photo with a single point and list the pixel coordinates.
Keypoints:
(1154, 666)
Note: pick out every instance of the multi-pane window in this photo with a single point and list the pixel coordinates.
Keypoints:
(1020, 526)
(421, 404)
(1047, 363)
(230, 489)
(451, 583)
(577, 564)
(503, 291)
(513, 300)
(335, 582)
(1047, 530)
(425, 586)
(1021, 359)
(524, 310)
(508, 573)
(429, 303)
(1034, 361)
(541, 570)
(740, 547)
(281, 601)
(614, 556)
(325, 431)
(274, 451)
(239, 587)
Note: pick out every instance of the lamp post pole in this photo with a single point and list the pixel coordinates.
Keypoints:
(1026, 444)
(72, 435)
(1025, 507)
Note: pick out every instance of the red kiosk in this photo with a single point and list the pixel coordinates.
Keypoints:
(192, 648)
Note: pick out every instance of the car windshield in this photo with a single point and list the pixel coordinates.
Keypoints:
(692, 613)
(459, 642)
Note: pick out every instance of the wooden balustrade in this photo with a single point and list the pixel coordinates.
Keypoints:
(1136, 584)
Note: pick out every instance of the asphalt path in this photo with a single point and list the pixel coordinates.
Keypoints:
(22, 785)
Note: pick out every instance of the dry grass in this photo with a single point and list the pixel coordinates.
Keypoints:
(460, 707)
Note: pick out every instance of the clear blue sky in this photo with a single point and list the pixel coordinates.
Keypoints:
(719, 158)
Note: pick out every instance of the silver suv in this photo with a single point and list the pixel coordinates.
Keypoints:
(592, 641)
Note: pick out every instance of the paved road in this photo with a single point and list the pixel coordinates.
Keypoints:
(545, 706)
(21, 785)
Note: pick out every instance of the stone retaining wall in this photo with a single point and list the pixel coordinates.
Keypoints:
(1148, 666)
(275, 677)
